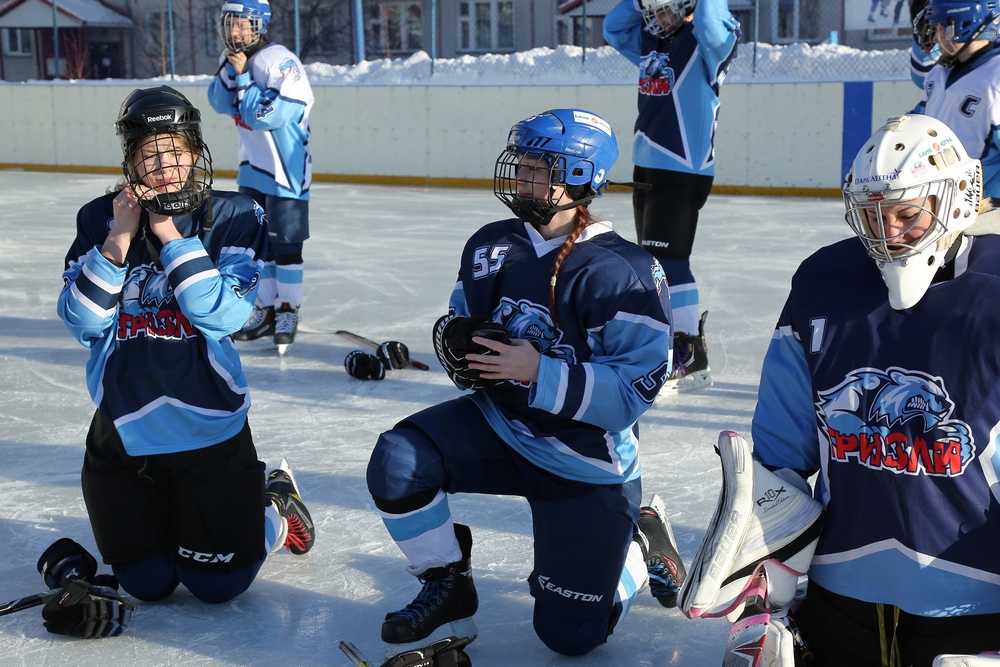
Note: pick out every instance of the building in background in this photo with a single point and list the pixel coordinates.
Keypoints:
(134, 39)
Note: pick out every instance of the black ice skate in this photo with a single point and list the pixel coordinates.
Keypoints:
(448, 596)
(298, 531)
(663, 563)
(260, 324)
(286, 323)
(691, 369)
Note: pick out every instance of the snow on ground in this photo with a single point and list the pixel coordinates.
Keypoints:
(381, 262)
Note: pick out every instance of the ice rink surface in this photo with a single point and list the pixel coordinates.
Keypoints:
(381, 262)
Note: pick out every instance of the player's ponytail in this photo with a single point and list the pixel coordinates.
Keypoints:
(582, 219)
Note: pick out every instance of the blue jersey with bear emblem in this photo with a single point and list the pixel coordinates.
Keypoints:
(899, 414)
(604, 356)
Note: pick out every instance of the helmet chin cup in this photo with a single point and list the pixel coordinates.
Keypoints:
(909, 279)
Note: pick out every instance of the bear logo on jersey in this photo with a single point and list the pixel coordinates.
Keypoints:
(144, 294)
(532, 323)
(656, 76)
(895, 420)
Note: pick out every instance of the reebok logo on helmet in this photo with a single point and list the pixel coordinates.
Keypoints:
(159, 118)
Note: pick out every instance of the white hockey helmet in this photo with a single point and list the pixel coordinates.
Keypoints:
(916, 162)
(664, 17)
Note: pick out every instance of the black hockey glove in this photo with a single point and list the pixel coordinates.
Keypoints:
(448, 652)
(364, 366)
(87, 611)
(393, 354)
(64, 561)
(453, 336)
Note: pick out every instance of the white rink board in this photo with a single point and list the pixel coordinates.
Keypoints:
(770, 136)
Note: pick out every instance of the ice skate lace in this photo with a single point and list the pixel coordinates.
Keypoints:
(285, 321)
(683, 353)
(298, 534)
(662, 580)
(257, 318)
(426, 601)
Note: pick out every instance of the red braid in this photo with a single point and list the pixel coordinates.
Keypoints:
(581, 220)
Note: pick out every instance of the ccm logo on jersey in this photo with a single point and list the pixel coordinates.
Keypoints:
(200, 557)
(544, 582)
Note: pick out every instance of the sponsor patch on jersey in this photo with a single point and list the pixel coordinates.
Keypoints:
(895, 420)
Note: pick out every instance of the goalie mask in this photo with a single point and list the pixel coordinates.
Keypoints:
(665, 17)
(561, 150)
(166, 162)
(243, 24)
(911, 192)
(960, 23)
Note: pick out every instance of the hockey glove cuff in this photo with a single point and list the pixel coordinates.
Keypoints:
(453, 336)
(393, 354)
(364, 366)
(64, 561)
(448, 652)
(87, 611)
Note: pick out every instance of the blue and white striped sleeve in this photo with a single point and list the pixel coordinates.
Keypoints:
(88, 303)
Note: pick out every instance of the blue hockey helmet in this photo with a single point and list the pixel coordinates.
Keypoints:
(961, 21)
(165, 160)
(571, 148)
(239, 36)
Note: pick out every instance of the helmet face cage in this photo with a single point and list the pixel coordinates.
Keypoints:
(664, 17)
(960, 23)
(170, 172)
(240, 32)
(165, 160)
(526, 182)
(865, 216)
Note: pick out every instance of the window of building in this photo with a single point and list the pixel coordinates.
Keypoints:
(569, 30)
(394, 28)
(17, 41)
(486, 26)
(795, 21)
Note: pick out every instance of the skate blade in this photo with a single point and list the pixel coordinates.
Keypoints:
(697, 380)
(464, 627)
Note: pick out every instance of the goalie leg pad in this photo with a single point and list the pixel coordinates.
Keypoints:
(758, 517)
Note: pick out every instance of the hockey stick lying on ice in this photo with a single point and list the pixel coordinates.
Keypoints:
(361, 340)
(28, 601)
(356, 656)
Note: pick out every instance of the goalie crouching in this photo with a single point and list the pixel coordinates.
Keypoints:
(881, 381)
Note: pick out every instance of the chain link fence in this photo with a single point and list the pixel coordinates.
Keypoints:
(430, 41)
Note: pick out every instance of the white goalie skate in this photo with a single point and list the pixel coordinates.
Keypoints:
(760, 520)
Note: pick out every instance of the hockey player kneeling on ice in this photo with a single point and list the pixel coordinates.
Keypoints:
(163, 269)
(881, 380)
(560, 330)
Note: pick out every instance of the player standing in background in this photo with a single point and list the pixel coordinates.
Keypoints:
(683, 49)
(561, 328)
(963, 89)
(162, 270)
(263, 86)
(867, 349)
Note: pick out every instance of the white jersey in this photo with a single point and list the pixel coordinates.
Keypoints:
(967, 99)
(270, 104)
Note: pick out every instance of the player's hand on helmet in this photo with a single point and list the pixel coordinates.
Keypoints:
(238, 60)
(87, 611)
(453, 340)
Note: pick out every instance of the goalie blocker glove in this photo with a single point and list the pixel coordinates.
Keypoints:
(453, 336)
(87, 611)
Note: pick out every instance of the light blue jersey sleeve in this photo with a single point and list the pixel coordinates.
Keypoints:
(88, 302)
(784, 427)
(623, 30)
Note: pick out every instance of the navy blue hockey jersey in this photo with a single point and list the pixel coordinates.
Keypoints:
(899, 413)
(162, 366)
(604, 356)
(679, 82)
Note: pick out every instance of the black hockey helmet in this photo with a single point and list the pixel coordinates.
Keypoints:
(165, 159)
